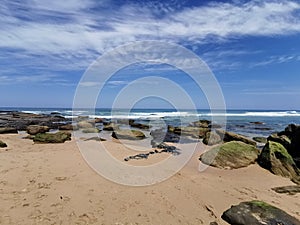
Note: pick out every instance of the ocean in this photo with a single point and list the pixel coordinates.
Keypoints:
(247, 122)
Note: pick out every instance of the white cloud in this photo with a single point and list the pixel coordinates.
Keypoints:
(65, 29)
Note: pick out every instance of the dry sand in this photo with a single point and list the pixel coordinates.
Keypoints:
(52, 184)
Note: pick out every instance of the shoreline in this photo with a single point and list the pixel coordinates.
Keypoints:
(53, 183)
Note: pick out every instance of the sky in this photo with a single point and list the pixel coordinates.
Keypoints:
(251, 47)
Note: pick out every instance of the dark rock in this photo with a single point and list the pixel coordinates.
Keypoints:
(275, 158)
(214, 126)
(128, 134)
(194, 132)
(68, 127)
(257, 213)
(8, 130)
(2, 144)
(59, 137)
(160, 135)
(95, 139)
(20, 120)
(213, 223)
(98, 120)
(262, 128)
(201, 123)
(211, 138)
(140, 126)
(110, 127)
(260, 139)
(282, 139)
(293, 132)
(257, 123)
(230, 136)
(35, 129)
(91, 130)
(291, 190)
(232, 155)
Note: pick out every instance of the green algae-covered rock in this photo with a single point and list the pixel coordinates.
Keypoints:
(211, 138)
(91, 130)
(59, 137)
(230, 136)
(128, 134)
(275, 158)
(260, 139)
(232, 155)
(257, 213)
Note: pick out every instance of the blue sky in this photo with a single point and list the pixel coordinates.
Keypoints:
(252, 47)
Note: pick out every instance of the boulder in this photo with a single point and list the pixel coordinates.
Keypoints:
(98, 120)
(91, 130)
(140, 126)
(128, 134)
(59, 137)
(257, 213)
(211, 138)
(8, 130)
(230, 136)
(275, 158)
(232, 155)
(2, 144)
(260, 139)
(85, 124)
(282, 139)
(110, 127)
(291, 190)
(35, 129)
(160, 135)
(68, 127)
(293, 132)
(194, 132)
(201, 123)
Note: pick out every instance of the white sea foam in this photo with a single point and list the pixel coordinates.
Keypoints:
(257, 114)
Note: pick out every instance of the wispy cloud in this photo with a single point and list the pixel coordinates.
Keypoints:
(278, 59)
(68, 35)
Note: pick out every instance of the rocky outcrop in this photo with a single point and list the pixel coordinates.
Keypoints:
(160, 135)
(201, 123)
(59, 137)
(8, 130)
(257, 213)
(2, 144)
(231, 155)
(68, 127)
(292, 131)
(35, 129)
(140, 126)
(128, 134)
(91, 130)
(282, 139)
(85, 125)
(193, 132)
(110, 127)
(211, 138)
(260, 139)
(275, 158)
(20, 120)
(230, 136)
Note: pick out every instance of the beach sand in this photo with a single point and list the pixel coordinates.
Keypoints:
(53, 184)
